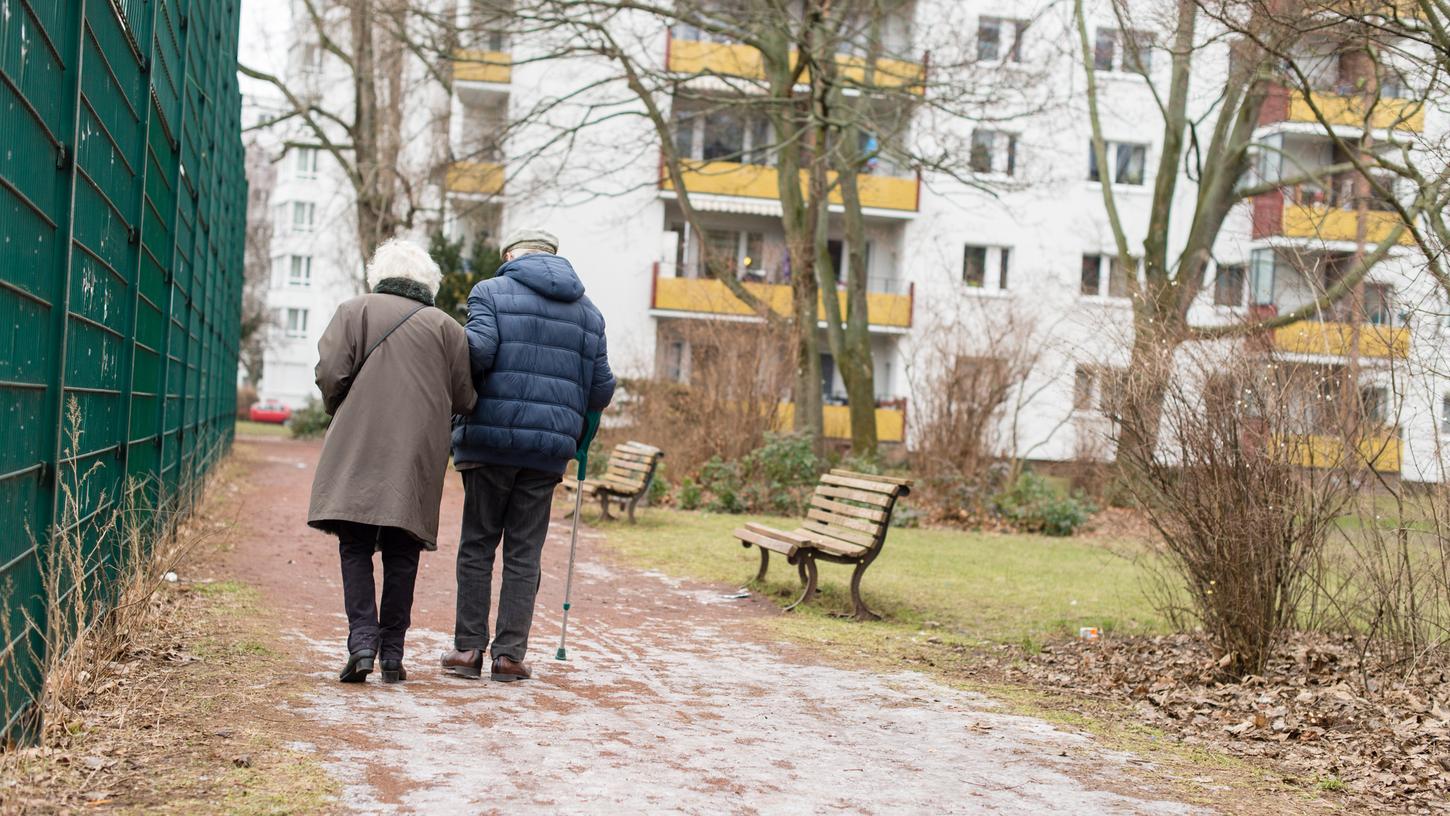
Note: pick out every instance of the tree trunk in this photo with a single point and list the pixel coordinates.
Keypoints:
(851, 344)
(799, 221)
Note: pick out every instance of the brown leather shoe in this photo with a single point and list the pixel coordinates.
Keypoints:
(507, 670)
(464, 664)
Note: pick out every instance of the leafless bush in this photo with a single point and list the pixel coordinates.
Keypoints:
(1255, 463)
(720, 386)
(100, 579)
(971, 376)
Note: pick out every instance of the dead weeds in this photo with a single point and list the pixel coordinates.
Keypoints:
(178, 722)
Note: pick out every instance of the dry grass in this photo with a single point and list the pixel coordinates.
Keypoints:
(156, 704)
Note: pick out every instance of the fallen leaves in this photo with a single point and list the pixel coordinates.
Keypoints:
(1317, 709)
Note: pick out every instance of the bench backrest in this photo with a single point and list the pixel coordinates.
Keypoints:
(632, 467)
(851, 511)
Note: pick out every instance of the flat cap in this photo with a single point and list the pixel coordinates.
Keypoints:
(531, 238)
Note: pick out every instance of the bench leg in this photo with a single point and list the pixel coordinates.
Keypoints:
(807, 570)
(764, 565)
(862, 613)
(630, 506)
(604, 506)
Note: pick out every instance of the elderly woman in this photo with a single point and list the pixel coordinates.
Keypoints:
(393, 370)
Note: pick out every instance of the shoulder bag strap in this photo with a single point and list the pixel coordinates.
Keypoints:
(389, 333)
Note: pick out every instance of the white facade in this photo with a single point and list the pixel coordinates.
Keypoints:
(1041, 216)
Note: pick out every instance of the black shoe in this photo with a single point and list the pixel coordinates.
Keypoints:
(359, 663)
(393, 671)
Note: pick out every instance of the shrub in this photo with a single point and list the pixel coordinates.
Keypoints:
(1242, 524)
(1033, 505)
(659, 487)
(246, 398)
(309, 422)
(690, 494)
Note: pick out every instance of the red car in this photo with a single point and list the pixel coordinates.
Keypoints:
(269, 411)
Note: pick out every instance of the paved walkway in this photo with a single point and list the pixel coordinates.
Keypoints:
(666, 705)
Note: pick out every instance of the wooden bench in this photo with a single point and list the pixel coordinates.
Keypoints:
(631, 470)
(846, 524)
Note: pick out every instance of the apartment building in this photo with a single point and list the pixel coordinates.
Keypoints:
(1029, 242)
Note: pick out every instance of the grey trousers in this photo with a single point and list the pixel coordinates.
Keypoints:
(513, 504)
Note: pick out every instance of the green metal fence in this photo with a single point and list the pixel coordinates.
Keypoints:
(122, 218)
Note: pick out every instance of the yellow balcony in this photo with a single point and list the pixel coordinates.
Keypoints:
(482, 66)
(890, 422)
(1337, 339)
(475, 178)
(731, 59)
(710, 296)
(1335, 224)
(760, 181)
(1380, 450)
(1350, 111)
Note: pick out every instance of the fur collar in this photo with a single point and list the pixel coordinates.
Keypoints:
(404, 287)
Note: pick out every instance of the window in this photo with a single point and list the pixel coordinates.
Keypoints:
(994, 151)
(1378, 304)
(1093, 278)
(1098, 388)
(311, 58)
(299, 276)
(721, 135)
(974, 267)
(296, 322)
(1092, 274)
(1374, 404)
(986, 267)
(675, 361)
(1083, 385)
(304, 215)
(1228, 285)
(1124, 51)
(999, 38)
(1128, 161)
(306, 162)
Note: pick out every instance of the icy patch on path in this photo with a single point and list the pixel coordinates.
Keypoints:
(663, 708)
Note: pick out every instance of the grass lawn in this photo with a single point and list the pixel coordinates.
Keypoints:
(1020, 589)
(249, 428)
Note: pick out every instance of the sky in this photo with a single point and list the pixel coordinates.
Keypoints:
(263, 40)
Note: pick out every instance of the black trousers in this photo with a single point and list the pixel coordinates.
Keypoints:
(367, 629)
(513, 504)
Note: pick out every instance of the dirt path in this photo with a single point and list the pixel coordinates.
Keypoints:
(666, 704)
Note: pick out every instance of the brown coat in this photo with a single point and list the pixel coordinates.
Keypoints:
(386, 453)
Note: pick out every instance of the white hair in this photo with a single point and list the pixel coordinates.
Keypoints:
(519, 252)
(401, 258)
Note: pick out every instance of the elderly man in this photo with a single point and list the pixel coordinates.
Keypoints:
(393, 370)
(537, 349)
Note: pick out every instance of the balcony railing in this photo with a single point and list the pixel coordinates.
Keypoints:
(711, 296)
(732, 59)
(1380, 450)
(890, 421)
(1343, 109)
(1328, 223)
(762, 181)
(1337, 339)
(475, 178)
(494, 67)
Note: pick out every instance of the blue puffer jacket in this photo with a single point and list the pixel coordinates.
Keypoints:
(536, 347)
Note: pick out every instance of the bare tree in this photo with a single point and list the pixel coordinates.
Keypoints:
(257, 267)
(372, 45)
(1215, 149)
(838, 97)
